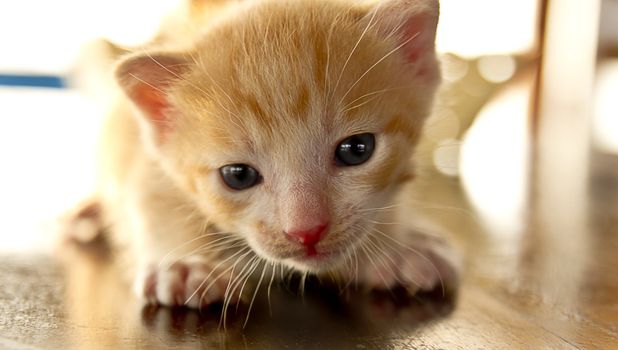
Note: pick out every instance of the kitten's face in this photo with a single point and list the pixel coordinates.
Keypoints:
(293, 123)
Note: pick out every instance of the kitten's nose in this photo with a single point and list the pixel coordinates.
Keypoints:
(308, 237)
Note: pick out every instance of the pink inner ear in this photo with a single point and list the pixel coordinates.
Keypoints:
(420, 31)
(415, 22)
(154, 104)
(147, 80)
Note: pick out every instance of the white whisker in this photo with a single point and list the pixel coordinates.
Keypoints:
(388, 207)
(231, 289)
(302, 285)
(218, 276)
(272, 278)
(369, 25)
(372, 262)
(378, 62)
(418, 253)
(255, 293)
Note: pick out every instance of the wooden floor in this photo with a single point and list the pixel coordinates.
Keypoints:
(533, 288)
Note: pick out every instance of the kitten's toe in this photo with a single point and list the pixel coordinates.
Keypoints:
(84, 223)
(424, 270)
(190, 283)
(422, 264)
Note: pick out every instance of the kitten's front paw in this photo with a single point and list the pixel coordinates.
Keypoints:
(422, 263)
(189, 282)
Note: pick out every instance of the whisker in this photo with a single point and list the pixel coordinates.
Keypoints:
(254, 294)
(179, 247)
(145, 82)
(229, 292)
(378, 62)
(381, 258)
(372, 262)
(360, 104)
(469, 212)
(195, 86)
(224, 242)
(418, 253)
(393, 250)
(207, 247)
(302, 285)
(254, 267)
(272, 278)
(385, 256)
(327, 67)
(224, 246)
(162, 66)
(243, 277)
(356, 268)
(218, 86)
(369, 94)
(350, 278)
(388, 207)
(213, 270)
(227, 288)
(385, 223)
(369, 25)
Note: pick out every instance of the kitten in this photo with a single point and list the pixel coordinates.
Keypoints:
(276, 140)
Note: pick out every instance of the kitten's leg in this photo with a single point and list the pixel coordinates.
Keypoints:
(194, 281)
(175, 258)
(413, 260)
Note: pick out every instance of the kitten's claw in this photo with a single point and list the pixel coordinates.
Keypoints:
(190, 283)
(423, 264)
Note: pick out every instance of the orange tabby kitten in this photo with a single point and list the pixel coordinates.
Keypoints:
(274, 139)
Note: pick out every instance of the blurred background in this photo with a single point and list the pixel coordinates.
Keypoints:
(530, 93)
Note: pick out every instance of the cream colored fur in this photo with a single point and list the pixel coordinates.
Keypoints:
(276, 85)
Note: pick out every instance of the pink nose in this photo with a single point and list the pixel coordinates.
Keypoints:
(308, 237)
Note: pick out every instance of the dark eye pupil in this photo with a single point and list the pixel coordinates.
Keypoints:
(355, 150)
(239, 176)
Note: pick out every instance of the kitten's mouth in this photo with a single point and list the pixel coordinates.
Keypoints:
(315, 262)
(311, 253)
(316, 259)
(314, 255)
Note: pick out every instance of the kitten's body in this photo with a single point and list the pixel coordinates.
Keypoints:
(276, 85)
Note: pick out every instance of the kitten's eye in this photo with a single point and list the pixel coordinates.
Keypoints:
(239, 176)
(355, 150)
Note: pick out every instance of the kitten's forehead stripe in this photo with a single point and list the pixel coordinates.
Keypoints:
(320, 51)
(256, 111)
(398, 124)
(301, 106)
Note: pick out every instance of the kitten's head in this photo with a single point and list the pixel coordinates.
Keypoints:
(290, 122)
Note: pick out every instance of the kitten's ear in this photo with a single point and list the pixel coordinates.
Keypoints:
(146, 80)
(414, 24)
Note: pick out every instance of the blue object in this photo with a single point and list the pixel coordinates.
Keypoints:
(45, 81)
